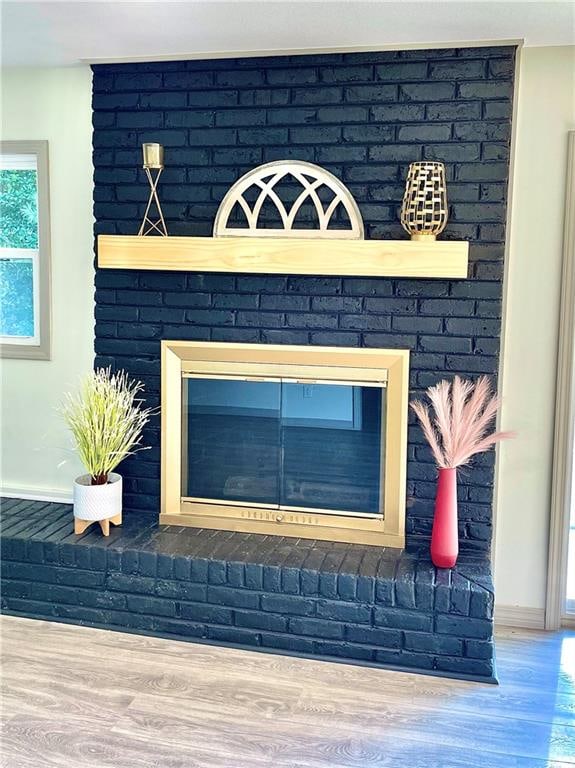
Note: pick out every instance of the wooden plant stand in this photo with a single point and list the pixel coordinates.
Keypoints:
(81, 525)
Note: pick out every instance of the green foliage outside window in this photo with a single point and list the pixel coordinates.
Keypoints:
(18, 209)
(18, 229)
(16, 297)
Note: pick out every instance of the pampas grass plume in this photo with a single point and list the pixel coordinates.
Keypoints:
(457, 427)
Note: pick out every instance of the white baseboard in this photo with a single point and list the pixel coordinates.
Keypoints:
(516, 616)
(37, 494)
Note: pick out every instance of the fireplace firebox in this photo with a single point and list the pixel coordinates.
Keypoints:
(285, 440)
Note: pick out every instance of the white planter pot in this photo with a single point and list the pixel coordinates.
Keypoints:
(97, 502)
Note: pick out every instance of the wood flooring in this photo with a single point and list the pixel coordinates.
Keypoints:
(76, 697)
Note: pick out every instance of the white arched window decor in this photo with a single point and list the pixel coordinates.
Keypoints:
(261, 185)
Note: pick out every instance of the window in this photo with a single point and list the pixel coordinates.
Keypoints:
(24, 250)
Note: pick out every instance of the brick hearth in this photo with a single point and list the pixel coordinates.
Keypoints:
(385, 607)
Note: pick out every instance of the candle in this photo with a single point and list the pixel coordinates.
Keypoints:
(153, 155)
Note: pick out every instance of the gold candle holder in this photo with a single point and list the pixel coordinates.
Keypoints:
(424, 207)
(153, 155)
(153, 160)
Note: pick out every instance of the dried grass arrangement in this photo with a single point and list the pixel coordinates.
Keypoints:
(458, 428)
(106, 420)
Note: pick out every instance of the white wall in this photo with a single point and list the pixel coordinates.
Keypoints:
(52, 104)
(546, 111)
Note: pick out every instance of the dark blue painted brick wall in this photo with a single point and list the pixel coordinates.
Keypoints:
(364, 117)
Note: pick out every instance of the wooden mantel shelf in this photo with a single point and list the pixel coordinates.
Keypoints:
(282, 255)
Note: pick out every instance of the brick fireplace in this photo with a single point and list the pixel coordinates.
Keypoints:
(364, 117)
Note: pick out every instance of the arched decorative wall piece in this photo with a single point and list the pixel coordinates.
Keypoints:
(311, 178)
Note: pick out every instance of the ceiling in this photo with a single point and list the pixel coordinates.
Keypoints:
(68, 33)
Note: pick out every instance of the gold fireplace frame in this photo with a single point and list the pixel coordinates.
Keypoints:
(385, 367)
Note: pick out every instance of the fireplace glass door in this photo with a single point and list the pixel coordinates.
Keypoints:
(284, 444)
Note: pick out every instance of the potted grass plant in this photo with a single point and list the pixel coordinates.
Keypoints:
(458, 428)
(106, 420)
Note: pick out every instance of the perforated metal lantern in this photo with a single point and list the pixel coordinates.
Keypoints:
(424, 207)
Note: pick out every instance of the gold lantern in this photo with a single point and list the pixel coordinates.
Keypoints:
(424, 207)
(153, 161)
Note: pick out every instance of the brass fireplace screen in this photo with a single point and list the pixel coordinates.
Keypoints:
(292, 441)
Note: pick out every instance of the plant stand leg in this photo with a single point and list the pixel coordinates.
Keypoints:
(105, 524)
(81, 525)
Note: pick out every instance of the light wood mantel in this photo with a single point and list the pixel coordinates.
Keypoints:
(282, 255)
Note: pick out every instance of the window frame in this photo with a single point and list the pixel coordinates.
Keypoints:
(40, 348)
(563, 478)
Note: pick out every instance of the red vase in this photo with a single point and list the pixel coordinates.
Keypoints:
(445, 537)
